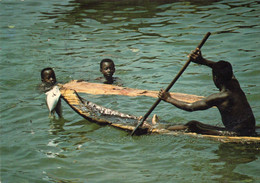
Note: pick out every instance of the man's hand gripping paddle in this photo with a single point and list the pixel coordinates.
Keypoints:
(170, 85)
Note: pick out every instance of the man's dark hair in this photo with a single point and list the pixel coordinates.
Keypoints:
(45, 69)
(106, 60)
(222, 70)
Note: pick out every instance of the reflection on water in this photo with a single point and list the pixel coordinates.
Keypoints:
(230, 156)
(56, 126)
(149, 41)
(109, 11)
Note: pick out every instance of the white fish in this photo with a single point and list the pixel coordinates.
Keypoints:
(52, 98)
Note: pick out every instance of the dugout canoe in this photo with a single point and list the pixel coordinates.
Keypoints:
(104, 116)
(107, 89)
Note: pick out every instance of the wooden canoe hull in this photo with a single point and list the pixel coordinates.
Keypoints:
(84, 108)
(107, 89)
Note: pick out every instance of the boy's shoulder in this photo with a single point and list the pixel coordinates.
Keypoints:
(100, 79)
(43, 87)
(117, 81)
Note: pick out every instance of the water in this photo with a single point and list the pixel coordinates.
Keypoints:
(149, 41)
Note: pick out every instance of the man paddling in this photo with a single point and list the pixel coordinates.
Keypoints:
(236, 113)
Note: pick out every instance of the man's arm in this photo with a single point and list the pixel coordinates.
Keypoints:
(197, 57)
(208, 102)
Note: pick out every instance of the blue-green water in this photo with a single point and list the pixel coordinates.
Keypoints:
(149, 41)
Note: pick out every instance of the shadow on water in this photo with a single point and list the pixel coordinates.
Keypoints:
(113, 11)
(60, 126)
(230, 157)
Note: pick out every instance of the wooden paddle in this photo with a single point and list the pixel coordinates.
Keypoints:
(170, 85)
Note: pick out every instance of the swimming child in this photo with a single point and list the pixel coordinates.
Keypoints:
(48, 79)
(50, 88)
(235, 111)
(107, 68)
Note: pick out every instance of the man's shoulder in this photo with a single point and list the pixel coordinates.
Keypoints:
(216, 99)
(221, 94)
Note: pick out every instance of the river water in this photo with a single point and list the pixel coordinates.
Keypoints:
(149, 42)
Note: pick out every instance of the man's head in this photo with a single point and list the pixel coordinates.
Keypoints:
(107, 67)
(222, 72)
(48, 76)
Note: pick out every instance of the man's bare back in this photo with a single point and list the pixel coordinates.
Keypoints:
(236, 113)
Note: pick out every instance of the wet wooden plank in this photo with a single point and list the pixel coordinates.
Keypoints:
(106, 89)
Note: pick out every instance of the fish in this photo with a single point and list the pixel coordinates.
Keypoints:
(52, 98)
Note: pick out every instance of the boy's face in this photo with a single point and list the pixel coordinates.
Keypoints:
(49, 77)
(108, 69)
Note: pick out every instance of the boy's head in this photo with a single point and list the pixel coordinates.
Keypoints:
(107, 68)
(48, 76)
(222, 72)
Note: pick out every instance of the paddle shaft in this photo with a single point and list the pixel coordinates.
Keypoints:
(170, 85)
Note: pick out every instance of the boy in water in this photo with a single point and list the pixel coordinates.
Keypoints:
(107, 68)
(48, 82)
(48, 79)
(235, 111)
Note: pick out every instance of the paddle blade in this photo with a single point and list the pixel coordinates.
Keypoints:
(137, 127)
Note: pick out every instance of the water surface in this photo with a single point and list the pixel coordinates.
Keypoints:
(149, 41)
